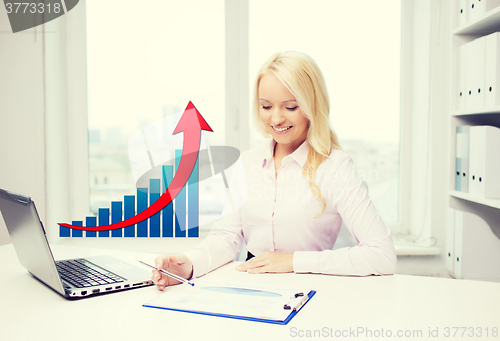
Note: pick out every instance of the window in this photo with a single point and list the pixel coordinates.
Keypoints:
(144, 69)
(146, 61)
(357, 46)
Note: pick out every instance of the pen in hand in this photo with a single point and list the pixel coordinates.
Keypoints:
(174, 276)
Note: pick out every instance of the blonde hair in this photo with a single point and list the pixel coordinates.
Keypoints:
(300, 74)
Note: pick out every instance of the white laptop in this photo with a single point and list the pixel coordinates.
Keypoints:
(73, 278)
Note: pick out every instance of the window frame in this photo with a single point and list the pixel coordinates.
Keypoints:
(237, 106)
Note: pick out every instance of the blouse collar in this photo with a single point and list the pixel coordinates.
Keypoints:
(299, 155)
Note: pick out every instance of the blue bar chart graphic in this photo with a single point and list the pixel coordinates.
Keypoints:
(179, 216)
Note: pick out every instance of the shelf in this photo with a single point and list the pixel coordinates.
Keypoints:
(487, 24)
(491, 110)
(495, 203)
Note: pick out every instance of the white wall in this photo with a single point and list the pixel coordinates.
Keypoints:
(22, 151)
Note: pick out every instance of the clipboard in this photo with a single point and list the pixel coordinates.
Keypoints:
(183, 298)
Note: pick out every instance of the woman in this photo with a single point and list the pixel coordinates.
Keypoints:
(294, 194)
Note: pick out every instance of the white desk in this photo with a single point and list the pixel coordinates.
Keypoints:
(31, 311)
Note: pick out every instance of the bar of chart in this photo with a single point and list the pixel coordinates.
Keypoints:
(180, 218)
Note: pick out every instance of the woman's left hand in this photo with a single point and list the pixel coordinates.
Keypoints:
(268, 262)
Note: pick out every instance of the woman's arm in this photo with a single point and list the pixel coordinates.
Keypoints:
(375, 253)
(225, 239)
(219, 247)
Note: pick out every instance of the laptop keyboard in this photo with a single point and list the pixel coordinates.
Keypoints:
(82, 274)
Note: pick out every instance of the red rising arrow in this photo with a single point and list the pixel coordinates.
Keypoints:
(191, 123)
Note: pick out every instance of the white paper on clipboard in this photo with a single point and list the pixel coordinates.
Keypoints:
(233, 299)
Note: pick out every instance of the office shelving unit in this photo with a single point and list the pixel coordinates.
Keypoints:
(474, 250)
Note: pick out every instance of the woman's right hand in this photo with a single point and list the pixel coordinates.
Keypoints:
(180, 265)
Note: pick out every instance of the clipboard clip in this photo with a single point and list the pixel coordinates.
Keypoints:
(296, 301)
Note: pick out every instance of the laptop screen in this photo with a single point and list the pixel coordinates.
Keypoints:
(28, 236)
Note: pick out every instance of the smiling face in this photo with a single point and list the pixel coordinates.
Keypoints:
(281, 115)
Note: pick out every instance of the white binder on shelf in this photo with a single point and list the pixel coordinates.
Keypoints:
(476, 248)
(450, 234)
(492, 70)
(472, 9)
(484, 162)
(462, 12)
(458, 159)
(480, 48)
(481, 7)
(470, 75)
(462, 159)
(457, 243)
(462, 88)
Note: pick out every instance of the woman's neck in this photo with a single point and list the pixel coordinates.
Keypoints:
(281, 150)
